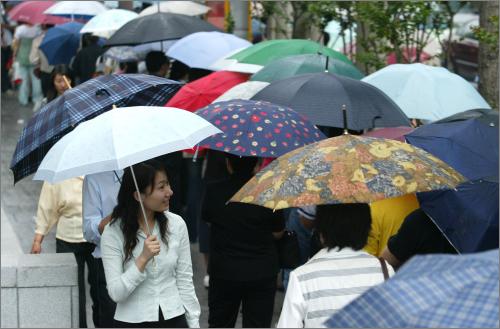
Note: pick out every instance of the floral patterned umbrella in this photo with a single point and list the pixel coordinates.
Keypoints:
(257, 128)
(347, 169)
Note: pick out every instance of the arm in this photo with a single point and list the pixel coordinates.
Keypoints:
(184, 280)
(120, 282)
(34, 53)
(293, 312)
(47, 215)
(390, 258)
(92, 212)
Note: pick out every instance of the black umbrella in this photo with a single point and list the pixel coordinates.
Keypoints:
(158, 27)
(486, 116)
(321, 96)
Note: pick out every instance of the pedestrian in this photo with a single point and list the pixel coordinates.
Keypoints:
(157, 63)
(61, 79)
(148, 266)
(243, 263)
(418, 235)
(6, 39)
(21, 45)
(43, 69)
(61, 204)
(338, 273)
(84, 63)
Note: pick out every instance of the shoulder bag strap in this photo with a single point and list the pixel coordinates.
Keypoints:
(384, 268)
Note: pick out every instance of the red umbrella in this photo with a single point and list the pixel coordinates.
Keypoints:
(396, 133)
(204, 91)
(32, 12)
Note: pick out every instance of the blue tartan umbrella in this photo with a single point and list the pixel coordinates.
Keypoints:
(82, 103)
(431, 291)
(256, 128)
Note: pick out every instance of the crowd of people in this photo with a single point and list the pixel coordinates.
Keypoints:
(136, 244)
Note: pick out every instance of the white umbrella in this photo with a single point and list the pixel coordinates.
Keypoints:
(201, 49)
(76, 9)
(120, 138)
(189, 8)
(107, 22)
(245, 90)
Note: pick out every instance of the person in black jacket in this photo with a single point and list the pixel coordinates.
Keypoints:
(243, 261)
(84, 64)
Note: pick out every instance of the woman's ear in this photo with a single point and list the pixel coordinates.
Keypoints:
(137, 195)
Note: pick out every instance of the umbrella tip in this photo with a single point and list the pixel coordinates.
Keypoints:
(344, 115)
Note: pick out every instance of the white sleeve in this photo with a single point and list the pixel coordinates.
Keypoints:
(184, 279)
(120, 283)
(294, 306)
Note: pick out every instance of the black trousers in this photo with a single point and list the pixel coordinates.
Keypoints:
(177, 322)
(83, 254)
(103, 308)
(6, 53)
(256, 297)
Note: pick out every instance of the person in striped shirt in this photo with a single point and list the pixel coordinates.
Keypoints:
(338, 273)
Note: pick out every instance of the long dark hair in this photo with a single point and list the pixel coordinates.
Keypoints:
(128, 207)
(61, 69)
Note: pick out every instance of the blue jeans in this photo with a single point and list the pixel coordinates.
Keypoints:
(303, 235)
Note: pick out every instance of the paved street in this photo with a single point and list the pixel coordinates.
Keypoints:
(19, 204)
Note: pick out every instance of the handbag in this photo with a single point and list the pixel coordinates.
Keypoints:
(288, 250)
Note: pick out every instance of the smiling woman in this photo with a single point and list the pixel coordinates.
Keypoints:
(128, 245)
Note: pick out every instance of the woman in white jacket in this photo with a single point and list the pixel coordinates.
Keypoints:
(150, 277)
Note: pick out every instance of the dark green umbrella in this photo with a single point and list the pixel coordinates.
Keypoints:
(301, 64)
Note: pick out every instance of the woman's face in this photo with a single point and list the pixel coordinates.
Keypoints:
(157, 197)
(60, 84)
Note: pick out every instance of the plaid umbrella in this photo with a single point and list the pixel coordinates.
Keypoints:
(252, 128)
(347, 169)
(82, 103)
(432, 291)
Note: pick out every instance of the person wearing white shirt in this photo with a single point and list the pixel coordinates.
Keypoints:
(99, 198)
(148, 266)
(338, 273)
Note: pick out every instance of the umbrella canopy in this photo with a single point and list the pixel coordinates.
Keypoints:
(82, 103)
(122, 54)
(252, 128)
(245, 90)
(76, 9)
(396, 133)
(32, 12)
(201, 49)
(320, 97)
(486, 116)
(347, 169)
(203, 91)
(120, 138)
(107, 22)
(467, 216)
(426, 92)
(309, 63)
(61, 42)
(190, 8)
(431, 291)
(470, 146)
(253, 58)
(158, 27)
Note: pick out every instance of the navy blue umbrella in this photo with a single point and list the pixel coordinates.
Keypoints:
(82, 103)
(467, 216)
(61, 43)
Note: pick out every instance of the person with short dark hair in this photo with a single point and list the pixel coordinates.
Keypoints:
(418, 235)
(157, 63)
(243, 263)
(146, 254)
(338, 273)
(84, 64)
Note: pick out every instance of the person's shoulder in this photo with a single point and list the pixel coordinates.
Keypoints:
(113, 228)
(175, 221)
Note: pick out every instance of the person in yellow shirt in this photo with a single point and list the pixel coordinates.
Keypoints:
(387, 217)
(61, 204)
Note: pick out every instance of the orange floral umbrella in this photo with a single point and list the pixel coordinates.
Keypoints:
(347, 169)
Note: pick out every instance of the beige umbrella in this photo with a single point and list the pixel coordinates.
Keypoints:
(190, 8)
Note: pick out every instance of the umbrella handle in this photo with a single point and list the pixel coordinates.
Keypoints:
(326, 65)
(142, 207)
(67, 82)
(344, 115)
